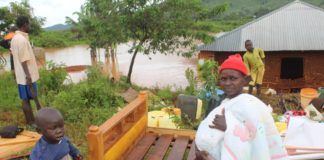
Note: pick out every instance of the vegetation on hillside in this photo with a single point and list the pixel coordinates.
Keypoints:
(255, 7)
(56, 39)
(240, 12)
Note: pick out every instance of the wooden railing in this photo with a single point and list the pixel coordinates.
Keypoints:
(117, 135)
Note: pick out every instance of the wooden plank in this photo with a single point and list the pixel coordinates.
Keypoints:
(122, 114)
(120, 147)
(161, 147)
(175, 132)
(179, 148)
(192, 152)
(142, 147)
(132, 146)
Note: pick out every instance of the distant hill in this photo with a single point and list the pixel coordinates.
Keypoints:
(58, 27)
(256, 7)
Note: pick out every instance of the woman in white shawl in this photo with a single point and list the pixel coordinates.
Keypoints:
(242, 127)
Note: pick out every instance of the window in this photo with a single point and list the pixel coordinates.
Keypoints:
(292, 68)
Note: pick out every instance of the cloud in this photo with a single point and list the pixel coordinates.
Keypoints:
(54, 11)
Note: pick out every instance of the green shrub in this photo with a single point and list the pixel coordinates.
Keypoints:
(165, 94)
(56, 39)
(88, 98)
(208, 73)
(52, 78)
(49, 40)
(9, 97)
(191, 88)
(154, 103)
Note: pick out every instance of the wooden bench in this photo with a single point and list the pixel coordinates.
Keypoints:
(126, 136)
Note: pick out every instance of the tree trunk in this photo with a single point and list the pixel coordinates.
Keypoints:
(93, 55)
(106, 65)
(114, 69)
(129, 75)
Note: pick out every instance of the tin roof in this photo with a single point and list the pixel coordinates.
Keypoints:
(297, 26)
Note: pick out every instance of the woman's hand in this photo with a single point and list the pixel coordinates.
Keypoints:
(201, 155)
(219, 122)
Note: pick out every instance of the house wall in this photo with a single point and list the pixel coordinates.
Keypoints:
(313, 68)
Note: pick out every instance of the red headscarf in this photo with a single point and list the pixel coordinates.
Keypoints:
(234, 62)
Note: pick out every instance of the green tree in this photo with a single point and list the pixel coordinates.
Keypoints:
(100, 22)
(85, 27)
(9, 14)
(154, 26)
(162, 26)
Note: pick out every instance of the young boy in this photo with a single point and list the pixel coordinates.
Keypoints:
(53, 145)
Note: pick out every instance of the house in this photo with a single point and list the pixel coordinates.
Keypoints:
(293, 40)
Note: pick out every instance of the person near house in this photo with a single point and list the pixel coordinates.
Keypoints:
(242, 127)
(26, 69)
(254, 59)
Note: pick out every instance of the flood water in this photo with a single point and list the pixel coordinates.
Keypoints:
(156, 70)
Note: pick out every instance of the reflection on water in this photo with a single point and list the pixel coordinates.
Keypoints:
(160, 71)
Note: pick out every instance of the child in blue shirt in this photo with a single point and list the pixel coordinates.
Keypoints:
(53, 145)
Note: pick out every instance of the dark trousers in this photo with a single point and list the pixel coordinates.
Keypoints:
(12, 66)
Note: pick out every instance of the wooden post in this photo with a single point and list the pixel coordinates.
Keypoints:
(95, 143)
(144, 96)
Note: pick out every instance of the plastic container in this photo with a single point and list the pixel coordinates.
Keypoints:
(160, 119)
(321, 92)
(307, 95)
(281, 127)
(171, 110)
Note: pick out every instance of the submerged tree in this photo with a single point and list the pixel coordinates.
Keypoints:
(162, 26)
(100, 22)
(153, 26)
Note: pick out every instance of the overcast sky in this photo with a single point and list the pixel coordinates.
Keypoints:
(55, 11)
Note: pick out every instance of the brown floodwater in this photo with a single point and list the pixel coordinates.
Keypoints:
(156, 70)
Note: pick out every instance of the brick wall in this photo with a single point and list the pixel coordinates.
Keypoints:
(313, 68)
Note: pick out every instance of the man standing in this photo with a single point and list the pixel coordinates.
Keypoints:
(25, 67)
(254, 59)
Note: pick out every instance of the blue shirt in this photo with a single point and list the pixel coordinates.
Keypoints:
(46, 151)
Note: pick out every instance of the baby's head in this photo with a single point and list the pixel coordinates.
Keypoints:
(50, 124)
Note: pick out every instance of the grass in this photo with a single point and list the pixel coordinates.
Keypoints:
(3, 50)
(90, 102)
